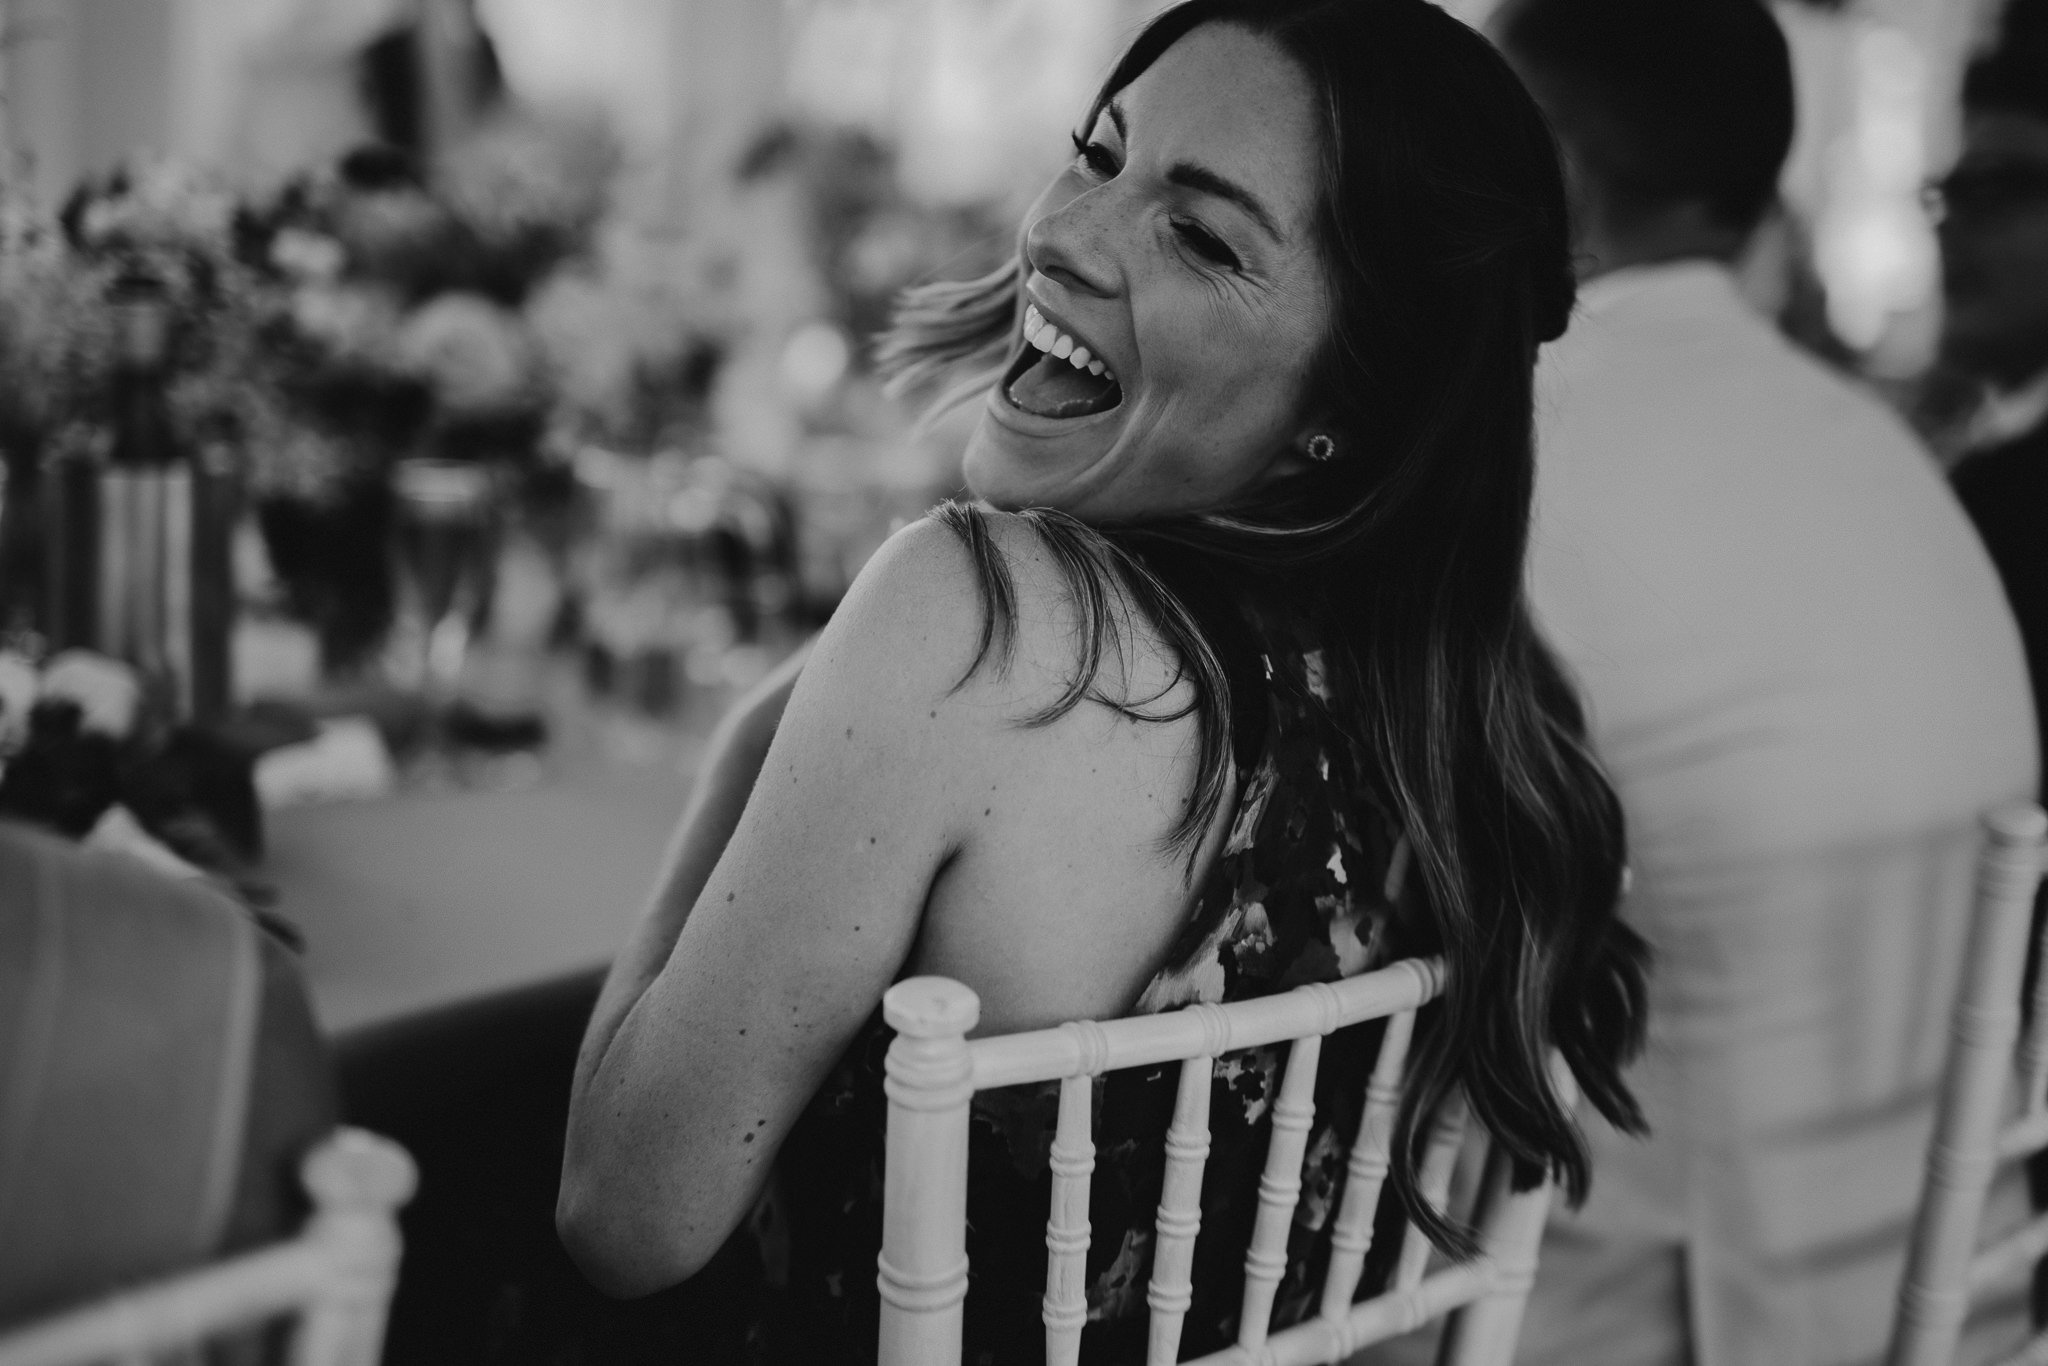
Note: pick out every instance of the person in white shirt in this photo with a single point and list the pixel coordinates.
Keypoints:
(1993, 207)
(1806, 685)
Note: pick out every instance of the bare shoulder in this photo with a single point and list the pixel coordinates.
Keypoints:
(982, 606)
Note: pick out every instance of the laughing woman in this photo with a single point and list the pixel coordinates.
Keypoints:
(1223, 684)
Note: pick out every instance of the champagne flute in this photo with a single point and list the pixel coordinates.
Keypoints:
(445, 543)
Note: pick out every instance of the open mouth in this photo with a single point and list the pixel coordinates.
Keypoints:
(1055, 376)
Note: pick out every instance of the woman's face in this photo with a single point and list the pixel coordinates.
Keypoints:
(1178, 251)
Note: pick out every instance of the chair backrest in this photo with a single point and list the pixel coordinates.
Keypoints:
(1974, 1127)
(335, 1278)
(934, 1070)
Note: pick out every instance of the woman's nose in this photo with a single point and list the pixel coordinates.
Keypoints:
(1073, 244)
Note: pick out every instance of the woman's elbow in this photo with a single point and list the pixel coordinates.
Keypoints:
(612, 1241)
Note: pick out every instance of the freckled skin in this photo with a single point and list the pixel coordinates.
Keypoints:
(1209, 356)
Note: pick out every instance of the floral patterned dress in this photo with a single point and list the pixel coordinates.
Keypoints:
(1309, 887)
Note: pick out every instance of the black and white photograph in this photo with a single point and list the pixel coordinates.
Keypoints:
(1023, 682)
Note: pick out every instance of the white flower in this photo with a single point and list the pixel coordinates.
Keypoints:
(354, 323)
(478, 356)
(308, 255)
(106, 690)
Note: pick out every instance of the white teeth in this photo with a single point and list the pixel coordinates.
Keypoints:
(1045, 337)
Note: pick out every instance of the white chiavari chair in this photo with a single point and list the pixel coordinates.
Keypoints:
(1974, 1131)
(335, 1279)
(934, 1070)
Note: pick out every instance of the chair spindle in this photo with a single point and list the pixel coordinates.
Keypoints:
(1446, 1135)
(922, 1269)
(1279, 1190)
(1366, 1173)
(1180, 1213)
(1067, 1230)
(1510, 1230)
(1935, 1297)
(2034, 1048)
(358, 1181)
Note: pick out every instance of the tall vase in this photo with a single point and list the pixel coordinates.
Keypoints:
(138, 567)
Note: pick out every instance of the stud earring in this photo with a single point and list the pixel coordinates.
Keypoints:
(1322, 448)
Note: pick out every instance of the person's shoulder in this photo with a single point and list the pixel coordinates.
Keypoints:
(949, 567)
(955, 598)
(940, 558)
(994, 607)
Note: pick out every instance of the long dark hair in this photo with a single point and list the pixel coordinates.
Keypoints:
(1443, 233)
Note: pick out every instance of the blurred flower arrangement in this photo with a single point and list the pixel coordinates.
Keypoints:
(58, 337)
(313, 340)
(401, 325)
(80, 753)
(631, 343)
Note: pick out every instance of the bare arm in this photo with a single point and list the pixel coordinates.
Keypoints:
(899, 810)
(731, 1006)
(732, 762)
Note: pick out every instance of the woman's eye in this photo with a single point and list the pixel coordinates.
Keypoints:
(1205, 243)
(1094, 156)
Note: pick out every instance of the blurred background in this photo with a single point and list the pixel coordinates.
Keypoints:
(420, 416)
(420, 419)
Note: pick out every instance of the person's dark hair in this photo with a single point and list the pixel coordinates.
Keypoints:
(1663, 101)
(2012, 77)
(1443, 233)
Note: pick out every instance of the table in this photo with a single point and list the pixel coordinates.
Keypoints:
(420, 900)
(428, 898)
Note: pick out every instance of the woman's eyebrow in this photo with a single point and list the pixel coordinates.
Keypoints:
(1206, 181)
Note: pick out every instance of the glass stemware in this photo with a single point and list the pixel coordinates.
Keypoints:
(445, 540)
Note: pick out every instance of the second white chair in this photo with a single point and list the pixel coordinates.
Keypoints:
(1984, 1085)
(335, 1279)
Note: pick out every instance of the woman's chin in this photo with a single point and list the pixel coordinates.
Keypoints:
(993, 480)
(1010, 466)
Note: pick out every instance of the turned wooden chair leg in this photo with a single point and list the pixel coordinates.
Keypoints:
(358, 1182)
(922, 1270)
